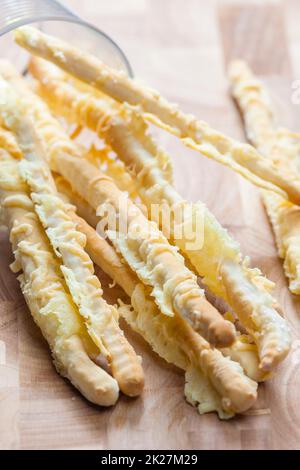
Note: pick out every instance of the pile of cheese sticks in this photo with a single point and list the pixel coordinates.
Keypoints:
(55, 195)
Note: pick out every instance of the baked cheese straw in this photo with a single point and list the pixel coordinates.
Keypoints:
(42, 285)
(148, 252)
(281, 147)
(88, 103)
(174, 286)
(172, 337)
(68, 244)
(95, 113)
(114, 168)
(242, 158)
(9, 143)
(218, 260)
(241, 351)
(65, 190)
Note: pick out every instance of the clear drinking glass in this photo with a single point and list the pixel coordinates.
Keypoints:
(54, 18)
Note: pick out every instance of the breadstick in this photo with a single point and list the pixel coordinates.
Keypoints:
(68, 244)
(242, 158)
(83, 107)
(223, 270)
(281, 147)
(86, 211)
(172, 337)
(243, 350)
(157, 263)
(43, 287)
(148, 253)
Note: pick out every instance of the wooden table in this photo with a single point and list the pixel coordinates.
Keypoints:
(180, 47)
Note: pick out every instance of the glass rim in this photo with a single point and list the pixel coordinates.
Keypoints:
(72, 19)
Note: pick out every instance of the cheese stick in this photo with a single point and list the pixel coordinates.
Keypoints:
(243, 349)
(172, 337)
(146, 250)
(84, 107)
(242, 158)
(42, 285)
(219, 260)
(91, 110)
(68, 244)
(281, 147)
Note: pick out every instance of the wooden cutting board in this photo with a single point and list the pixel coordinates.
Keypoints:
(181, 48)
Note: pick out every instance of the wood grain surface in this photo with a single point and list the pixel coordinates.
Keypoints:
(180, 47)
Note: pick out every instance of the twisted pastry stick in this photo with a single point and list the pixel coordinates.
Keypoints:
(114, 168)
(68, 244)
(173, 338)
(148, 253)
(219, 260)
(105, 257)
(241, 351)
(84, 106)
(144, 247)
(43, 287)
(283, 148)
(242, 158)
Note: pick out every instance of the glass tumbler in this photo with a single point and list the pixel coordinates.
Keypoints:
(54, 18)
